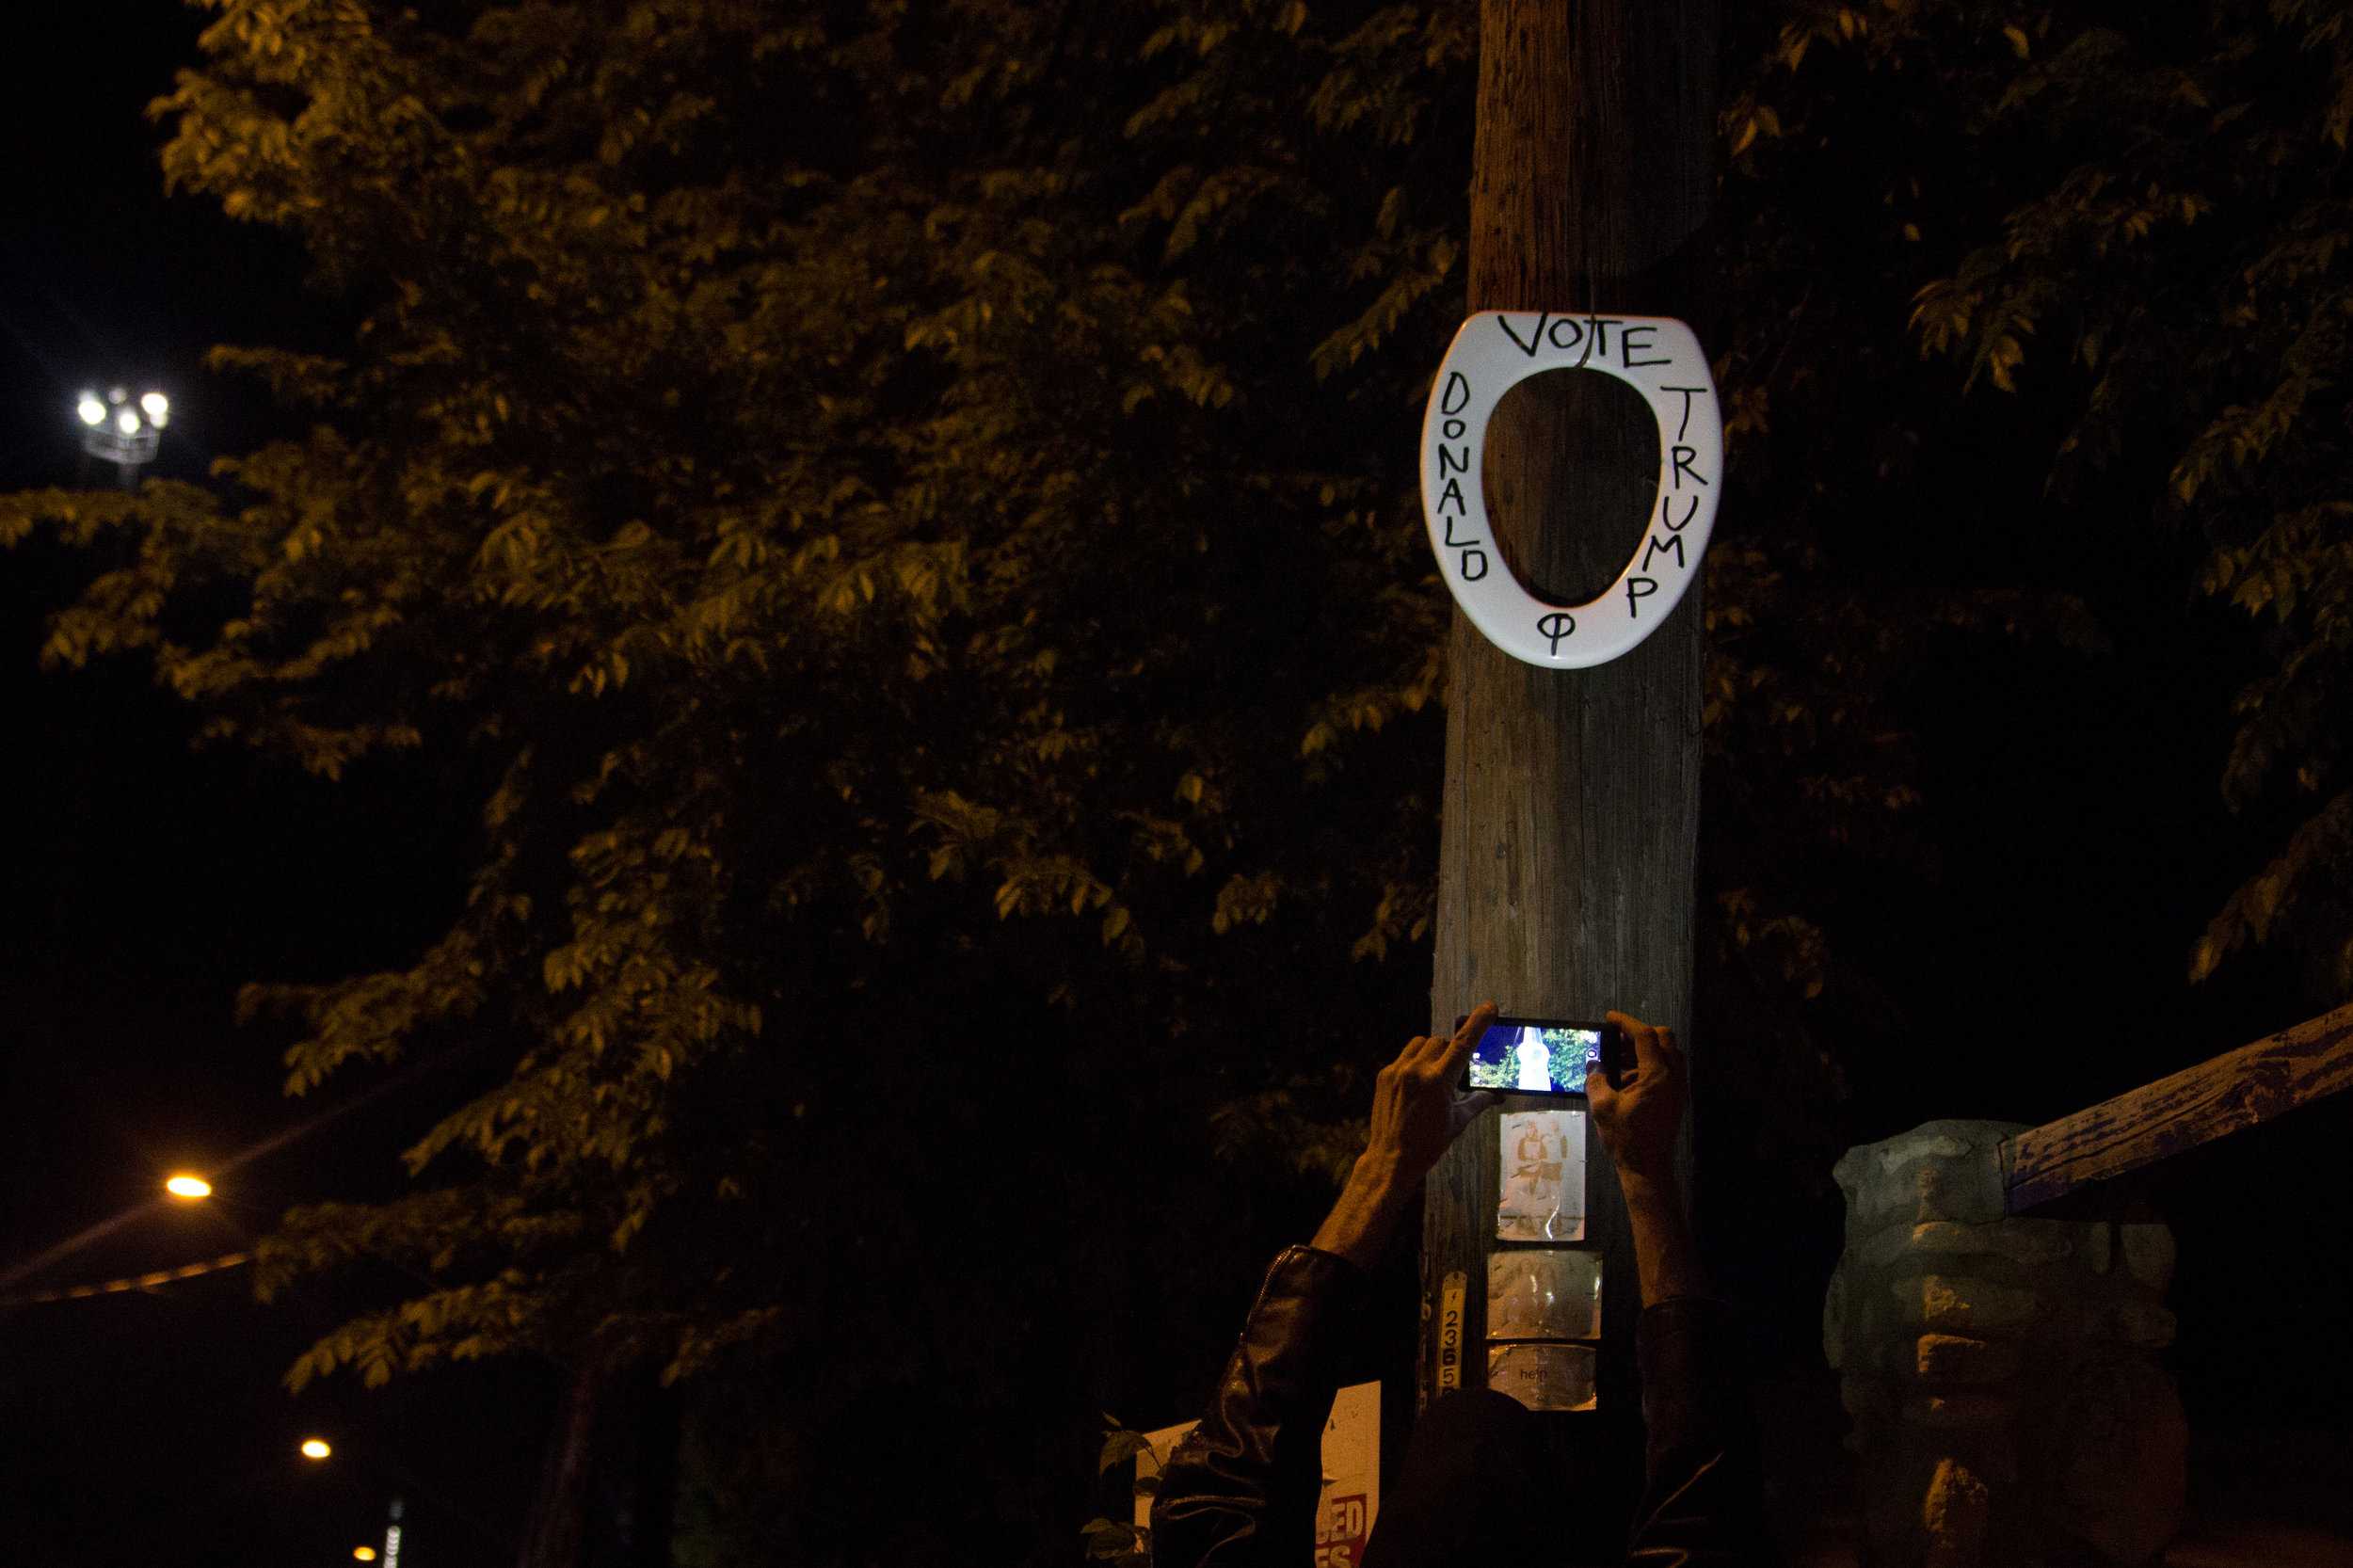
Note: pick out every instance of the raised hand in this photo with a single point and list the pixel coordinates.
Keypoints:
(1417, 1111)
(1638, 1120)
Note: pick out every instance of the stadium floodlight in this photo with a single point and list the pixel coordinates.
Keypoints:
(120, 431)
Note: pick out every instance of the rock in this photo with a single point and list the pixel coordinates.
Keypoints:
(1962, 1335)
(1870, 1317)
(2142, 1323)
(1948, 1170)
(2021, 1241)
(2149, 1254)
(1954, 1358)
(1955, 1513)
(1864, 1397)
(2117, 1459)
(1956, 1304)
(1959, 1409)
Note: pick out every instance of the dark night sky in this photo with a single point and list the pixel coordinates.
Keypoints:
(2075, 798)
(144, 883)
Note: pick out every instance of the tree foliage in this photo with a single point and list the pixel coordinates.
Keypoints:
(854, 483)
(891, 500)
(2143, 220)
(907, 510)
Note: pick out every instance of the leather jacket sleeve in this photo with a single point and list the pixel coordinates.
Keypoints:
(1703, 1503)
(1241, 1489)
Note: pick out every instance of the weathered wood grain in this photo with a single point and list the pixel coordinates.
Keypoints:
(2197, 1105)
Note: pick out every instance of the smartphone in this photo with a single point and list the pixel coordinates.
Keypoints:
(1544, 1056)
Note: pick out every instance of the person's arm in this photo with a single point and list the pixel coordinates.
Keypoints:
(1664, 1255)
(1376, 1196)
(1241, 1488)
(1701, 1502)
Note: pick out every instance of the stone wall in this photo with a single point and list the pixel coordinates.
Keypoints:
(2007, 1406)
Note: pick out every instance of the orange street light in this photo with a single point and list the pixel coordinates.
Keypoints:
(189, 1187)
(363, 1554)
(315, 1447)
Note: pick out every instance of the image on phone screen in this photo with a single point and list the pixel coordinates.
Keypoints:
(1533, 1060)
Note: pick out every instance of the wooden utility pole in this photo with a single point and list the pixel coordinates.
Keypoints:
(1572, 797)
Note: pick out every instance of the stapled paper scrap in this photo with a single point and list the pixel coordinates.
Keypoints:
(1551, 1295)
(1544, 1377)
(1544, 1176)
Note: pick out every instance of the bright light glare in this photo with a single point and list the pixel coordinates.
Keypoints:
(156, 404)
(127, 422)
(315, 1447)
(91, 411)
(363, 1554)
(185, 1186)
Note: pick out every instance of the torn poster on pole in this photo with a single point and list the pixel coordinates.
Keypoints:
(1544, 1176)
(1544, 1377)
(1548, 1294)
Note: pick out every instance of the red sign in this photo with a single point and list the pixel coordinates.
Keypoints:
(1342, 1524)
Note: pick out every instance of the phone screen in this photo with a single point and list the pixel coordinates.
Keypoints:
(1533, 1056)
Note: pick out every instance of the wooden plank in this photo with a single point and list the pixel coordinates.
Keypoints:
(2195, 1106)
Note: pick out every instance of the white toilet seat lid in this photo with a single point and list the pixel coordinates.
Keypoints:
(1658, 357)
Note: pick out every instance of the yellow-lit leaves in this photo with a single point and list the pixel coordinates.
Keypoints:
(1369, 707)
(1792, 946)
(1417, 265)
(1941, 314)
(1162, 842)
(1246, 900)
(1179, 367)
(1050, 884)
(1759, 119)
(2242, 435)
(1403, 914)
